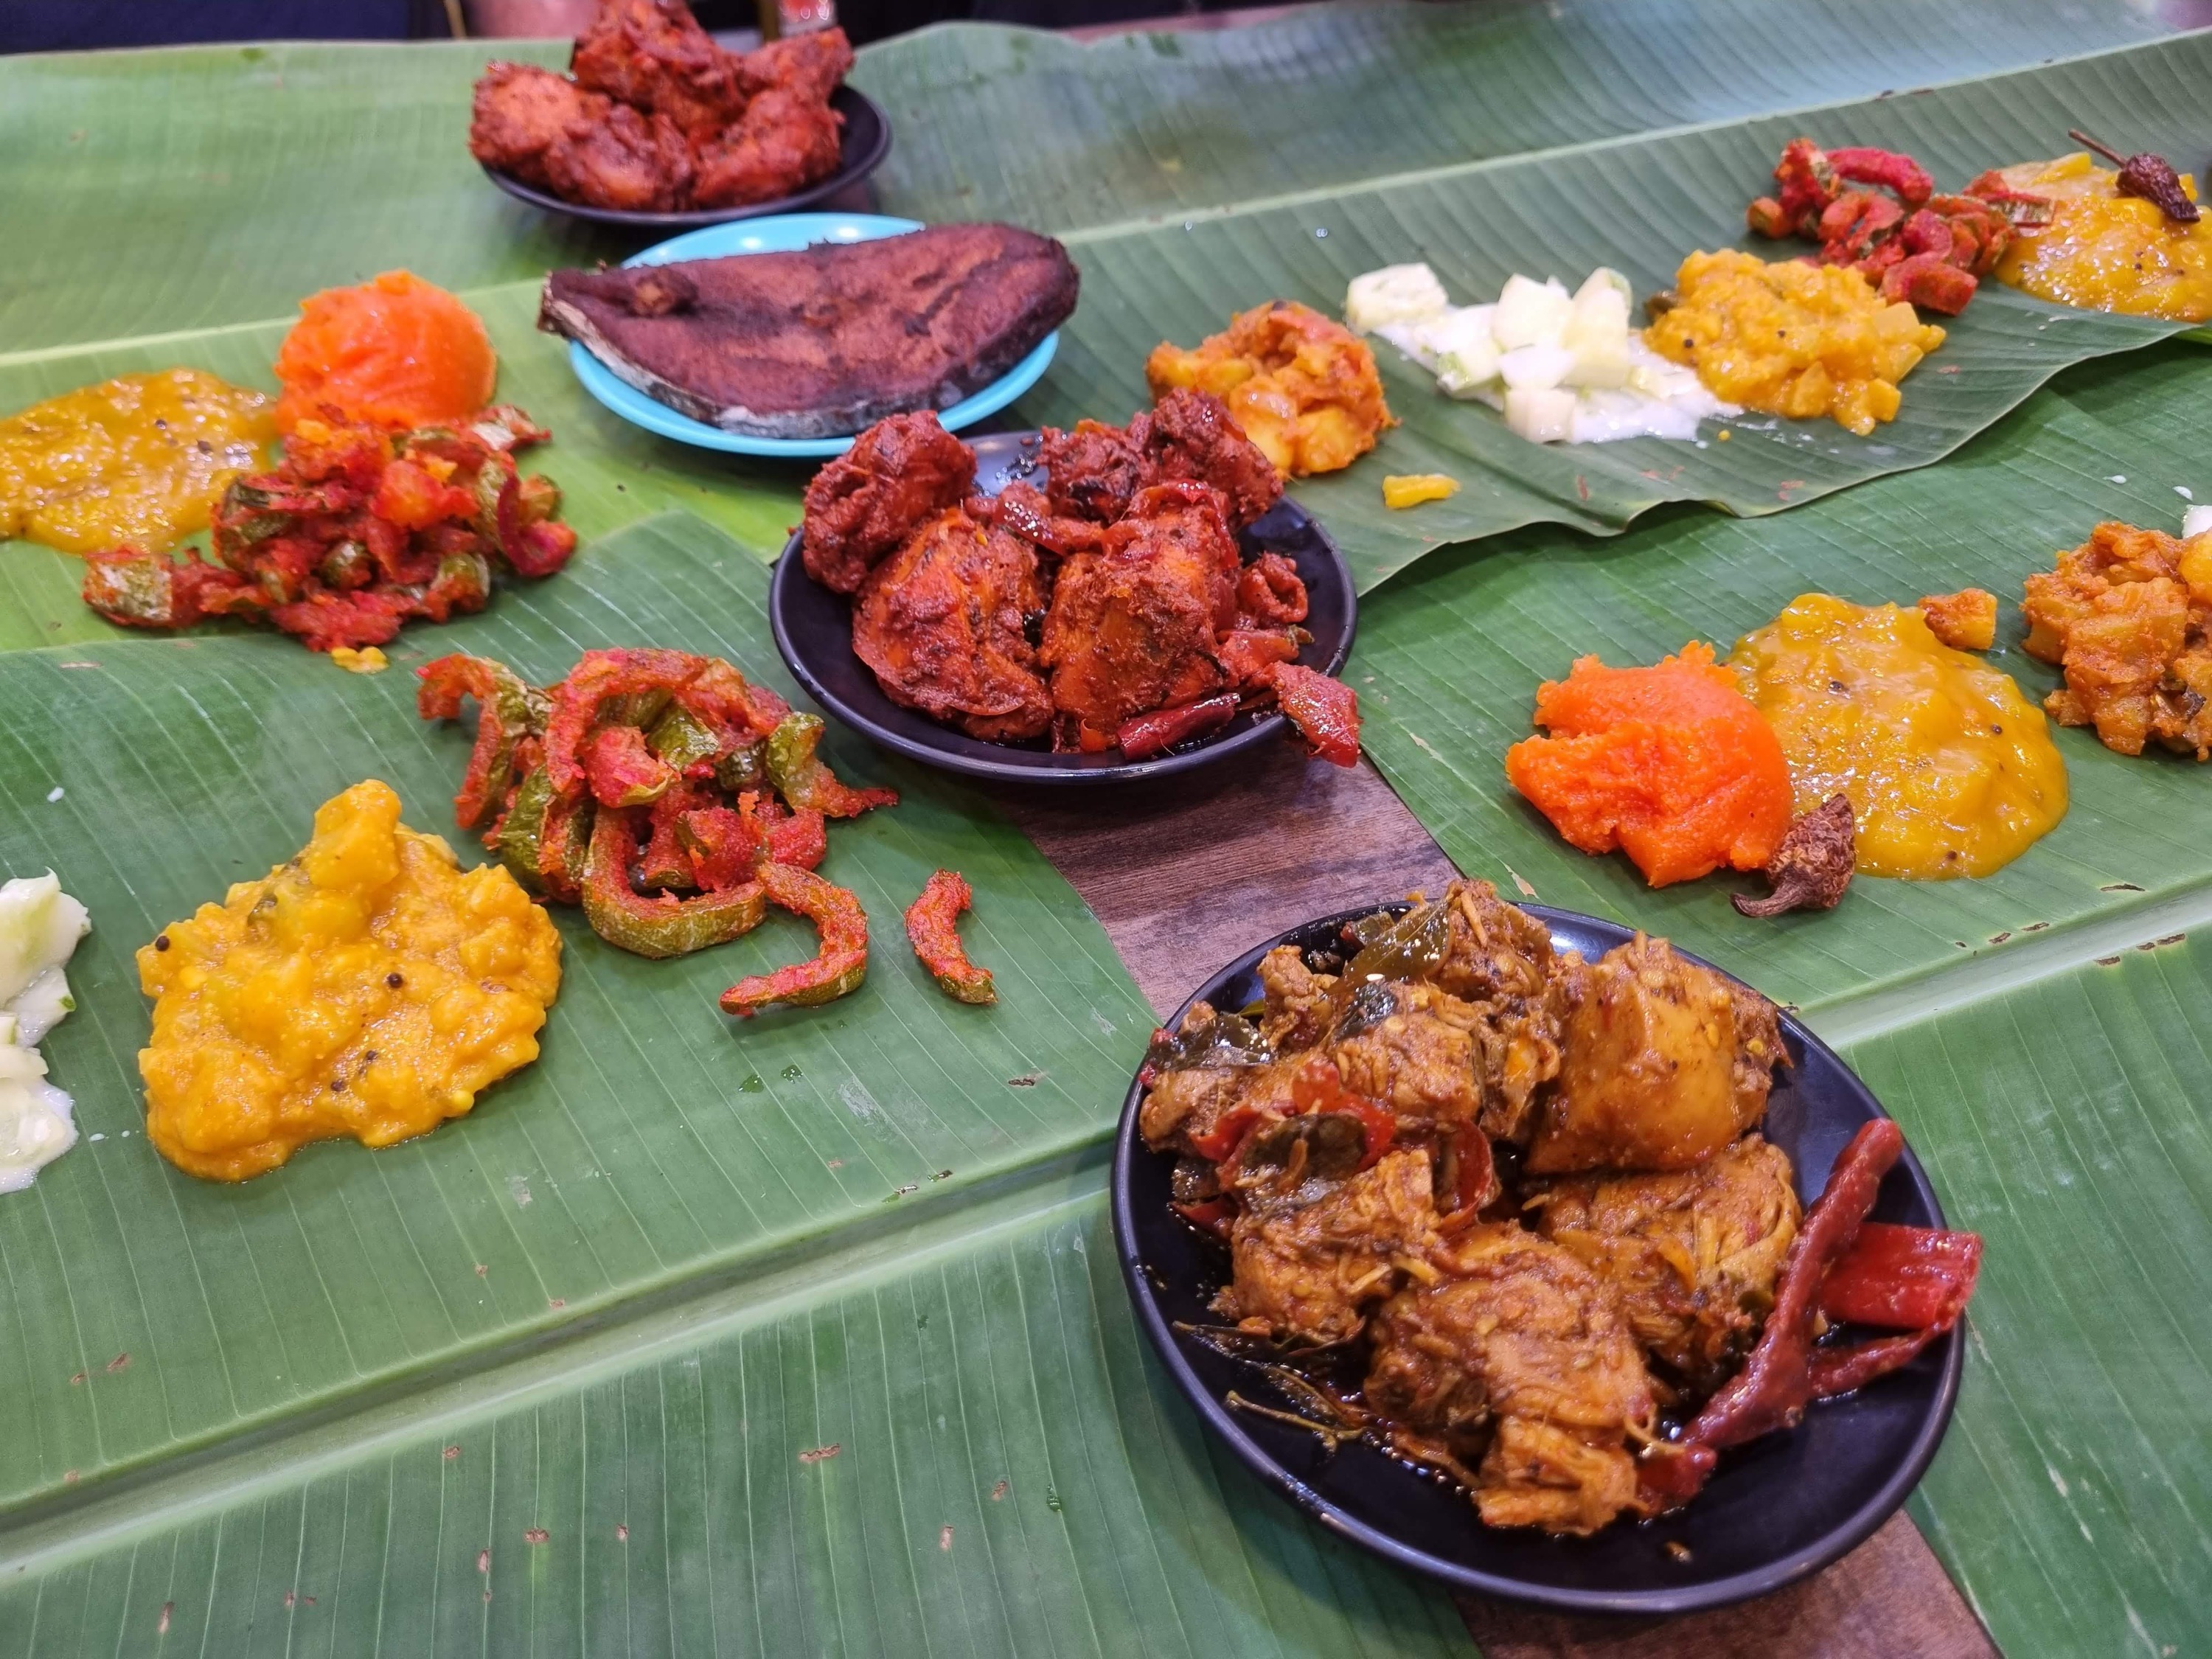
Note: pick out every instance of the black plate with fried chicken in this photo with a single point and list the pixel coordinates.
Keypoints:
(1540, 1257)
(657, 127)
(1088, 606)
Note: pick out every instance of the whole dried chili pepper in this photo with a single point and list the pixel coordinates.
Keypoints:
(2151, 177)
(1148, 734)
(1325, 711)
(930, 929)
(662, 927)
(507, 711)
(837, 968)
(805, 780)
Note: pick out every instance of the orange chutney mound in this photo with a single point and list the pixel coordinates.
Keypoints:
(1671, 765)
(396, 352)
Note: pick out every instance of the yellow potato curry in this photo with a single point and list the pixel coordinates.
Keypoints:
(1792, 338)
(138, 459)
(1950, 770)
(2105, 252)
(368, 988)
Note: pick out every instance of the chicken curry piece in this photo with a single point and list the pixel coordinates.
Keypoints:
(1522, 1193)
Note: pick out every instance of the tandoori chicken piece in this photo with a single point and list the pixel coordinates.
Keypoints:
(1665, 1062)
(1307, 1269)
(1096, 470)
(899, 474)
(1134, 627)
(1509, 1349)
(654, 55)
(787, 139)
(1691, 1256)
(549, 132)
(814, 63)
(943, 624)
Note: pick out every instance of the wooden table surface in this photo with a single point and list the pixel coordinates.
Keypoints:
(1189, 874)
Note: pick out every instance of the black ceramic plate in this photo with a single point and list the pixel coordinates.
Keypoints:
(866, 140)
(814, 631)
(1774, 1512)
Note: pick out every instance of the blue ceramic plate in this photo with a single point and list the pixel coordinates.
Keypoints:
(787, 234)
(1775, 1511)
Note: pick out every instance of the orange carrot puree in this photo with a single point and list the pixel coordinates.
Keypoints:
(396, 352)
(1671, 765)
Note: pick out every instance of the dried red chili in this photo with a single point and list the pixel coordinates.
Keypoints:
(2150, 177)
(837, 968)
(931, 929)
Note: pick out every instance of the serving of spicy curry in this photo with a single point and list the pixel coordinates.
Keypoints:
(368, 987)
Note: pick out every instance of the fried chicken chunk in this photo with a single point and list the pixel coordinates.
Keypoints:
(1306, 1267)
(1094, 471)
(549, 132)
(1690, 1256)
(1134, 627)
(899, 474)
(1665, 1062)
(654, 55)
(1512, 1350)
(942, 622)
(787, 139)
(2128, 615)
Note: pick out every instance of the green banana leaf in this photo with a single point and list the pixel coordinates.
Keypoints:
(1638, 205)
(705, 1330)
(2059, 1103)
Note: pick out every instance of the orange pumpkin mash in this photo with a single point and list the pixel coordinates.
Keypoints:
(1671, 765)
(396, 352)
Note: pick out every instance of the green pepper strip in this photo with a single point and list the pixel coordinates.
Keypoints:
(805, 780)
(515, 838)
(662, 927)
(837, 968)
(506, 711)
(562, 846)
(930, 930)
(682, 740)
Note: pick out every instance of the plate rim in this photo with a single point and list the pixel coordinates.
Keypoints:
(849, 173)
(648, 414)
(1838, 1541)
(788, 571)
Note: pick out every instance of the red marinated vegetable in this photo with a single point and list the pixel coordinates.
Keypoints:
(804, 778)
(835, 969)
(661, 925)
(930, 929)
(1164, 728)
(1905, 1279)
(1326, 711)
(508, 713)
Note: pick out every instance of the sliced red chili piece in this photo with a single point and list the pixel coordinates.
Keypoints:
(1905, 1279)
(930, 928)
(1219, 1144)
(1148, 734)
(1213, 1215)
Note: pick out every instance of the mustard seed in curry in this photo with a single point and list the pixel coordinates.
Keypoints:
(368, 988)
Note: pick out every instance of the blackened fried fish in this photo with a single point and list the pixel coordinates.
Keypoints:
(825, 341)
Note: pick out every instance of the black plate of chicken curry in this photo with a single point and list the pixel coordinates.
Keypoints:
(1480, 1232)
(904, 646)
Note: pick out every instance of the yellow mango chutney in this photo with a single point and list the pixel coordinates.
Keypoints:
(1788, 338)
(140, 459)
(2105, 252)
(1950, 770)
(368, 988)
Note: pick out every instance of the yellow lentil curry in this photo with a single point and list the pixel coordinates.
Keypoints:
(368, 988)
(1792, 338)
(1950, 770)
(139, 459)
(2105, 252)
